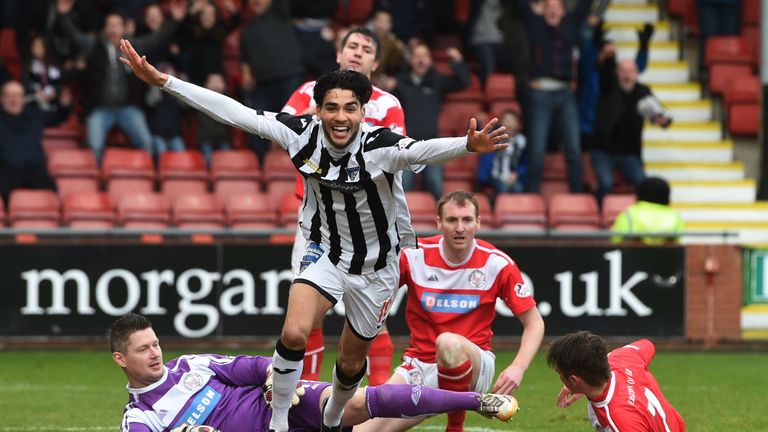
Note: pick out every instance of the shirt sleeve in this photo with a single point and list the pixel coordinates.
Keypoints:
(231, 112)
(629, 421)
(516, 294)
(240, 370)
(300, 100)
(395, 117)
(134, 421)
(393, 152)
(643, 348)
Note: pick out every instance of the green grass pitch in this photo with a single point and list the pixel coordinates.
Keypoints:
(85, 391)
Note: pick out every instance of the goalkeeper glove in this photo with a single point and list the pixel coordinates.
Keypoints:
(268, 393)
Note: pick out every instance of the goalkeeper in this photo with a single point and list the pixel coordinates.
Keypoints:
(232, 394)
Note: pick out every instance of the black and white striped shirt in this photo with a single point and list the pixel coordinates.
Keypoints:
(350, 196)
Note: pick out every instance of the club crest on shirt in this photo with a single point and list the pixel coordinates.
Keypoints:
(192, 381)
(414, 377)
(353, 173)
(477, 279)
(522, 290)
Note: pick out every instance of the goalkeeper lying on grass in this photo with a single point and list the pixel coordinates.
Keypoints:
(232, 394)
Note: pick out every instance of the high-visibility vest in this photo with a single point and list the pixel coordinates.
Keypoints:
(648, 217)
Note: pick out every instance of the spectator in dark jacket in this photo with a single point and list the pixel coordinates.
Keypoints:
(421, 91)
(202, 37)
(621, 111)
(111, 94)
(22, 158)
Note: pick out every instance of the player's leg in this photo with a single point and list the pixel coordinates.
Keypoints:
(305, 302)
(458, 366)
(380, 358)
(347, 374)
(313, 356)
(378, 424)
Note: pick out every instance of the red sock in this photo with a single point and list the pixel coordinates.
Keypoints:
(458, 378)
(313, 356)
(380, 359)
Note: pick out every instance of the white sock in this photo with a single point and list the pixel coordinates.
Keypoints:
(286, 371)
(343, 389)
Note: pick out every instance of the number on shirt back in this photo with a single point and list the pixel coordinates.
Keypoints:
(654, 407)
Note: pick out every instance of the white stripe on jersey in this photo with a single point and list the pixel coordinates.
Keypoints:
(454, 278)
(350, 203)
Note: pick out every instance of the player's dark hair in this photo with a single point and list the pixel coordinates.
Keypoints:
(461, 198)
(583, 354)
(346, 80)
(653, 189)
(365, 32)
(122, 329)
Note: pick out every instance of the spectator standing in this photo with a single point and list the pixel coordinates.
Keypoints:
(272, 60)
(312, 22)
(450, 346)
(110, 94)
(421, 91)
(623, 394)
(392, 49)
(553, 35)
(212, 135)
(42, 77)
(650, 214)
(164, 116)
(486, 39)
(623, 106)
(502, 170)
(22, 158)
(202, 36)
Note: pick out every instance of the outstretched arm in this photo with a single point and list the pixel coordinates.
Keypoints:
(533, 332)
(216, 105)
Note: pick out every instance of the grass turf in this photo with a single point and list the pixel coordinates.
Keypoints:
(85, 391)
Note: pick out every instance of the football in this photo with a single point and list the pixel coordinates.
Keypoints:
(509, 409)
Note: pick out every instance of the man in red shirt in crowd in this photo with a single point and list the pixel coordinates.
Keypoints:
(623, 394)
(359, 50)
(453, 282)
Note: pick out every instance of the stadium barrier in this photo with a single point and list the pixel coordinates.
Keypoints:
(237, 286)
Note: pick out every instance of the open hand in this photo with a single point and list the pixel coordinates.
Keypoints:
(486, 140)
(566, 398)
(140, 66)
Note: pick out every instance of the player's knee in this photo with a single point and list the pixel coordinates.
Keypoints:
(450, 351)
(350, 370)
(294, 338)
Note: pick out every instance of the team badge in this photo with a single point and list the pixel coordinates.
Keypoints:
(414, 377)
(522, 290)
(416, 394)
(353, 173)
(192, 381)
(477, 279)
(404, 143)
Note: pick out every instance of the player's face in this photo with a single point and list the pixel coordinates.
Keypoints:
(459, 225)
(358, 54)
(341, 114)
(142, 359)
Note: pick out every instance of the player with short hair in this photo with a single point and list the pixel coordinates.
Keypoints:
(359, 50)
(623, 394)
(453, 282)
(349, 216)
(231, 393)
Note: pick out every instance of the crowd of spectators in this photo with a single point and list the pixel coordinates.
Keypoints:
(259, 51)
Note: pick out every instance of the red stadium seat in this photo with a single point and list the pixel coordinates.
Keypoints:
(463, 168)
(34, 208)
(142, 210)
(68, 185)
(499, 87)
(486, 212)
(550, 188)
(88, 210)
(575, 212)
(721, 74)
(744, 89)
(751, 37)
(520, 212)
(423, 208)
(278, 166)
(117, 187)
(197, 210)
(288, 212)
(726, 49)
(744, 119)
(353, 12)
(54, 144)
(175, 187)
(750, 13)
(473, 93)
(235, 165)
(554, 168)
(224, 189)
(127, 163)
(497, 108)
(276, 190)
(182, 165)
(9, 54)
(250, 211)
(455, 185)
(454, 117)
(613, 205)
(73, 163)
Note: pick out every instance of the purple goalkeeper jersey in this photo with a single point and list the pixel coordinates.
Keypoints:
(219, 391)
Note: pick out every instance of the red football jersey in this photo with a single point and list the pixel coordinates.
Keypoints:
(382, 109)
(457, 298)
(633, 401)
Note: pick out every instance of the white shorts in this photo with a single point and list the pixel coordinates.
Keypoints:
(417, 372)
(367, 297)
(299, 244)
